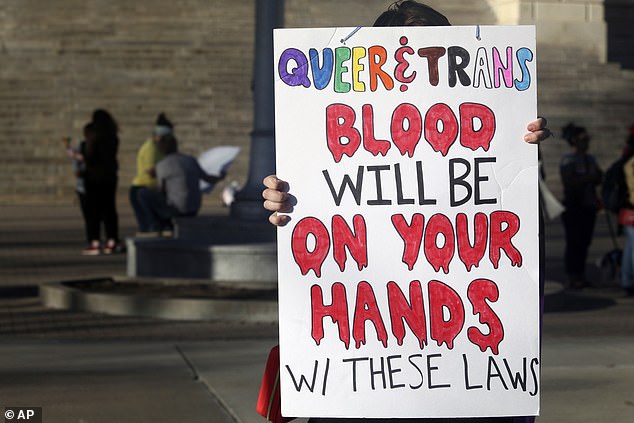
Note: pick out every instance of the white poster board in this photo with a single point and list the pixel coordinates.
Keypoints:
(216, 161)
(408, 274)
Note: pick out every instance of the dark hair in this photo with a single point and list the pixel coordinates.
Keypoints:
(106, 139)
(168, 144)
(89, 130)
(104, 123)
(411, 13)
(162, 120)
(571, 131)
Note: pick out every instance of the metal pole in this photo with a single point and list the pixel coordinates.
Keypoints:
(248, 203)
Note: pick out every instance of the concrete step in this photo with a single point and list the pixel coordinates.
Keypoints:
(223, 230)
(195, 259)
(215, 248)
(175, 299)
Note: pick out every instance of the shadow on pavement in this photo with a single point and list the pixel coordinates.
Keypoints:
(19, 291)
(572, 301)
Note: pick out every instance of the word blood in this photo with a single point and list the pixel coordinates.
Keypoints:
(440, 127)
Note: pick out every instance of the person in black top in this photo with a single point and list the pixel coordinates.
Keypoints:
(580, 175)
(100, 178)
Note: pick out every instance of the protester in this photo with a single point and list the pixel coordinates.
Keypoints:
(145, 178)
(580, 175)
(100, 176)
(626, 217)
(179, 194)
(278, 199)
(76, 154)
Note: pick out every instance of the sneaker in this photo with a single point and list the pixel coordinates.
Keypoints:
(111, 247)
(92, 249)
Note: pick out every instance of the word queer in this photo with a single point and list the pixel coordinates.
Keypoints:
(352, 69)
(495, 230)
(440, 127)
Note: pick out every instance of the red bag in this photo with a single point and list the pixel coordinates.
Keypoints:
(626, 217)
(269, 401)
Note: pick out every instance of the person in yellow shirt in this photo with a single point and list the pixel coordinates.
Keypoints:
(145, 178)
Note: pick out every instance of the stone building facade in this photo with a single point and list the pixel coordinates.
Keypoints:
(193, 60)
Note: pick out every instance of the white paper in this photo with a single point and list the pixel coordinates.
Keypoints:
(362, 365)
(215, 161)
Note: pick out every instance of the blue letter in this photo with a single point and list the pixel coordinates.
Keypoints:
(524, 55)
(321, 75)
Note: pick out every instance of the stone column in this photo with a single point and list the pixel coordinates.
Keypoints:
(248, 202)
(575, 24)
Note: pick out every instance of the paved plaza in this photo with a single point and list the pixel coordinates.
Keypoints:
(92, 368)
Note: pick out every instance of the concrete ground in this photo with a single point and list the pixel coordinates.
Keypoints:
(86, 367)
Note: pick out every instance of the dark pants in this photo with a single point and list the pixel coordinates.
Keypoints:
(155, 212)
(579, 227)
(143, 217)
(101, 207)
(84, 212)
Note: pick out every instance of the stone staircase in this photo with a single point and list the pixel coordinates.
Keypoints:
(61, 60)
(193, 59)
(573, 86)
(331, 13)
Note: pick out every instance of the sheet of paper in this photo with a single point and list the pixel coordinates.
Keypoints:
(215, 161)
(408, 274)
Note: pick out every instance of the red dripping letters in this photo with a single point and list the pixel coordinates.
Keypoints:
(445, 310)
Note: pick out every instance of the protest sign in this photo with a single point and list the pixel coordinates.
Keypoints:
(408, 274)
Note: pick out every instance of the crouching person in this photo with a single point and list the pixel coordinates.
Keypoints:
(179, 194)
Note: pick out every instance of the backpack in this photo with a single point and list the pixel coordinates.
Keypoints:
(614, 191)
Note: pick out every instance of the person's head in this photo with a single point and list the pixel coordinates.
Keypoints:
(167, 144)
(577, 136)
(411, 13)
(163, 127)
(89, 131)
(104, 123)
